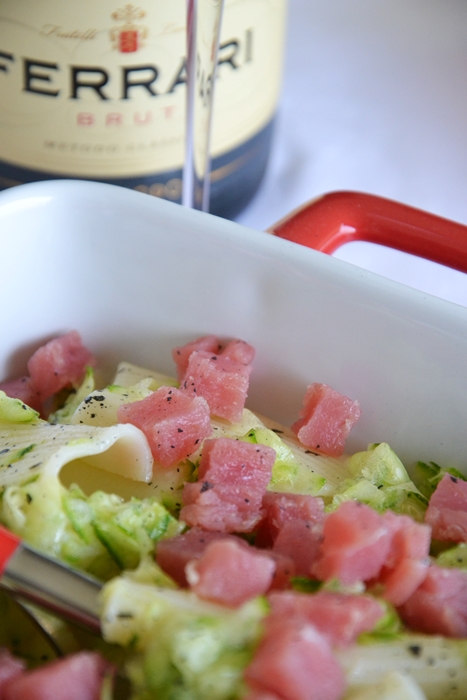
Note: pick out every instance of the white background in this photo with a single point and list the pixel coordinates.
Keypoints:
(374, 99)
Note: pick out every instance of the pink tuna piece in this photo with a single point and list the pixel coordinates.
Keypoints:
(58, 364)
(325, 420)
(256, 694)
(229, 573)
(300, 540)
(10, 666)
(447, 510)
(181, 354)
(76, 677)
(174, 423)
(402, 581)
(174, 553)
(24, 390)
(340, 617)
(232, 479)
(281, 508)
(439, 605)
(295, 662)
(221, 381)
(410, 539)
(239, 351)
(408, 559)
(356, 543)
(284, 570)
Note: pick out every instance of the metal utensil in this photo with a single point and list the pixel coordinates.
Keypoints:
(203, 32)
(39, 584)
(32, 576)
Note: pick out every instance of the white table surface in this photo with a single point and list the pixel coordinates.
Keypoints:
(374, 99)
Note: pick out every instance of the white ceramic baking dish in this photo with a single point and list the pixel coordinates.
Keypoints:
(137, 275)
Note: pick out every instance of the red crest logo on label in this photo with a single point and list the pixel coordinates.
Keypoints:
(130, 36)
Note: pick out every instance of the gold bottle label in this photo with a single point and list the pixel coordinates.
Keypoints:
(97, 89)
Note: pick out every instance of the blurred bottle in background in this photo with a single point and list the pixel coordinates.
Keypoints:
(96, 90)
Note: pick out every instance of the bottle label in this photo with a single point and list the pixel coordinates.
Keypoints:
(97, 89)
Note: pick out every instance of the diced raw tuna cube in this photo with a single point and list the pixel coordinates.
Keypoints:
(284, 571)
(24, 390)
(229, 573)
(439, 605)
(356, 542)
(174, 423)
(410, 539)
(256, 694)
(447, 510)
(181, 354)
(221, 381)
(76, 677)
(408, 559)
(58, 364)
(299, 540)
(174, 553)
(10, 666)
(340, 617)
(403, 580)
(213, 509)
(281, 508)
(239, 351)
(232, 479)
(295, 661)
(325, 420)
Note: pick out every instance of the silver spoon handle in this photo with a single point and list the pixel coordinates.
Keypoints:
(204, 19)
(33, 576)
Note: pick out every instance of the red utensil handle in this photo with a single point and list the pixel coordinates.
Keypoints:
(9, 543)
(336, 218)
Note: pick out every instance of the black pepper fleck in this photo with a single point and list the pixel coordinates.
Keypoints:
(415, 649)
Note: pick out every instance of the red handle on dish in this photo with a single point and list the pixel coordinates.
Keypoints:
(336, 218)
